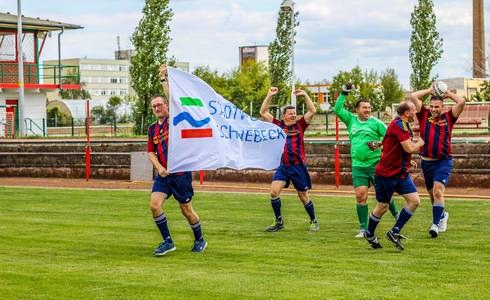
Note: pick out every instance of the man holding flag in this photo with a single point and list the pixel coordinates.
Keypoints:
(166, 184)
(293, 160)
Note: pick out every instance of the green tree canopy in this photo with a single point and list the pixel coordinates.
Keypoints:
(425, 45)
(280, 54)
(151, 40)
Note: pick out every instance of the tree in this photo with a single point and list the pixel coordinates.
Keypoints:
(107, 114)
(55, 117)
(242, 86)
(425, 45)
(280, 54)
(392, 89)
(367, 87)
(249, 84)
(151, 40)
(484, 94)
(72, 77)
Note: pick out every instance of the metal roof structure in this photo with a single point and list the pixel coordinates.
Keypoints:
(8, 20)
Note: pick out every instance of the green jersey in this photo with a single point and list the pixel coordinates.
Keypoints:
(360, 133)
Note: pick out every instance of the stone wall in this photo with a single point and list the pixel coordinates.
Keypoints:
(112, 161)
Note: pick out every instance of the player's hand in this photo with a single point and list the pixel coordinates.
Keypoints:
(421, 142)
(414, 164)
(162, 172)
(299, 93)
(347, 88)
(373, 145)
(272, 91)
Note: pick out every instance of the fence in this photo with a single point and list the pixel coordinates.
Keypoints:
(473, 121)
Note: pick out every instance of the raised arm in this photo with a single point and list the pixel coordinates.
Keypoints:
(460, 103)
(264, 109)
(344, 115)
(311, 109)
(415, 97)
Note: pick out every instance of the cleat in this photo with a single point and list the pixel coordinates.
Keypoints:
(164, 248)
(443, 222)
(373, 241)
(275, 226)
(360, 235)
(314, 226)
(434, 231)
(395, 239)
(199, 246)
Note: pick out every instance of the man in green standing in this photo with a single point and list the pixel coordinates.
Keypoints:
(365, 134)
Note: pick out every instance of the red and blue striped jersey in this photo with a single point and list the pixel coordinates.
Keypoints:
(294, 149)
(158, 141)
(436, 133)
(394, 160)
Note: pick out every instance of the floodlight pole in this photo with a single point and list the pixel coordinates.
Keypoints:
(288, 5)
(20, 59)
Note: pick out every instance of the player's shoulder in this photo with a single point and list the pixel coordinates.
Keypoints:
(399, 124)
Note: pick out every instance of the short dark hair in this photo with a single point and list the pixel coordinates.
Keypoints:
(285, 109)
(402, 108)
(159, 96)
(358, 103)
(435, 97)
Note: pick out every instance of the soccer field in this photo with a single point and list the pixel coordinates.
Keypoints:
(90, 244)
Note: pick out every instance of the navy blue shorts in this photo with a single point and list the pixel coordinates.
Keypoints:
(386, 186)
(436, 170)
(298, 174)
(178, 185)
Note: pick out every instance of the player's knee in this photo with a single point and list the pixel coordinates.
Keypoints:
(361, 197)
(154, 206)
(438, 193)
(274, 194)
(186, 209)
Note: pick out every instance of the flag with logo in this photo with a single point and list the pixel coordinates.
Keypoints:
(209, 132)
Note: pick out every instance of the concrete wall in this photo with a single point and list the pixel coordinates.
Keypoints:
(113, 161)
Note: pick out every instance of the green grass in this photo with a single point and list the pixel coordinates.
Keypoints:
(69, 244)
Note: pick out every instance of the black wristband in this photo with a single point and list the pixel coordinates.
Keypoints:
(345, 93)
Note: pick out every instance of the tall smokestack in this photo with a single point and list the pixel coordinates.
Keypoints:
(479, 66)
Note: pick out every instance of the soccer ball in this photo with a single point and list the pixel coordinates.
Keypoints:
(440, 88)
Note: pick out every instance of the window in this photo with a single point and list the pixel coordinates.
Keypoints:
(123, 92)
(114, 80)
(123, 67)
(7, 47)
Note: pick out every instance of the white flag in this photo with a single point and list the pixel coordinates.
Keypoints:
(209, 132)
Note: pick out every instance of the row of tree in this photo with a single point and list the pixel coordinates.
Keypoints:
(249, 83)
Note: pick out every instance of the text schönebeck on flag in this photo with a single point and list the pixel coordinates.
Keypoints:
(209, 132)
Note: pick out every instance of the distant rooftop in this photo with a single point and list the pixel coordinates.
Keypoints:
(8, 20)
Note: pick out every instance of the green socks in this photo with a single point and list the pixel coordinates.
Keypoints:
(393, 208)
(362, 214)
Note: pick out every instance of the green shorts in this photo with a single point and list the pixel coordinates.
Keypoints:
(363, 176)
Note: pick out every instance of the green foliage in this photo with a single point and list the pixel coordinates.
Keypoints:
(82, 93)
(151, 40)
(484, 94)
(392, 89)
(107, 114)
(280, 54)
(367, 87)
(57, 118)
(241, 86)
(97, 244)
(425, 45)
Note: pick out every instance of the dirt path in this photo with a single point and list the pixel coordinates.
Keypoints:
(451, 192)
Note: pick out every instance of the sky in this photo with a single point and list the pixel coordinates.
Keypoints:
(333, 35)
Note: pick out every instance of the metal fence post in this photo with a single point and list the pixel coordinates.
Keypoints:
(115, 126)
(72, 127)
(44, 127)
(326, 121)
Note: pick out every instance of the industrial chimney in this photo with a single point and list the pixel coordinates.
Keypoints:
(479, 64)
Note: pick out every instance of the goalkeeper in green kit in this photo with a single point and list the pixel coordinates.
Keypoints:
(365, 134)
